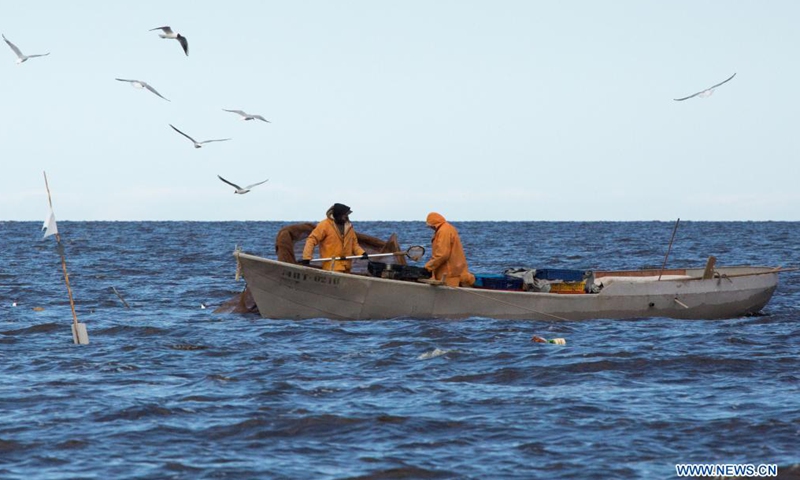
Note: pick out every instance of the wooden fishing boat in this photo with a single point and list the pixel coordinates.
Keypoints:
(284, 290)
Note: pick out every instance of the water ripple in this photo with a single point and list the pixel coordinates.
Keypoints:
(169, 390)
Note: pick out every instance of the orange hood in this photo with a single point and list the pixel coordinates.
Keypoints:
(434, 220)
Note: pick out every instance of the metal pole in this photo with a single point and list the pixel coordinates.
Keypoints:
(356, 257)
(669, 249)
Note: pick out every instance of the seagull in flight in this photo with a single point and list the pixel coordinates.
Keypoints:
(705, 93)
(141, 84)
(21, 57)
(168, 33)
(240, 190)
(248, 116)
(196, 143)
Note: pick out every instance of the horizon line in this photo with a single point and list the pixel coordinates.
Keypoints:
(420, 220)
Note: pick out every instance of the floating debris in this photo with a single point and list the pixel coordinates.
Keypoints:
(556, 341)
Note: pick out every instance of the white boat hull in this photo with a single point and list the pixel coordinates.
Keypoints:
(288, 291)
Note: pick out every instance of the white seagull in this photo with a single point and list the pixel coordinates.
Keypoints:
(705, 93)
(141, 84)
(247, 116)
(240, 190)
(196, 143)
(21, 57)
(168, 33)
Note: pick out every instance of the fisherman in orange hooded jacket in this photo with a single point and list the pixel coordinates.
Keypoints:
(447, 261)
(336, 238)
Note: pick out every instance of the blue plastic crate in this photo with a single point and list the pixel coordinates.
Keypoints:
(563, 274)
(497, 282)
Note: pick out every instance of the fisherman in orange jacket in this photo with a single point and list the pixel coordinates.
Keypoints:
(447, 261)
(336, 238)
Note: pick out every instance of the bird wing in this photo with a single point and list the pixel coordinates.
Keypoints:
(166, 29)
(261, 118)
(39, 55)
(706, 90)
(13, 47)
(184, 44)
(187, 136)
(253, 185)
(230, 183)
(126, 80)
(236, 111)
(215, 140)
(724, 81)
(687, 98)
(147, 86)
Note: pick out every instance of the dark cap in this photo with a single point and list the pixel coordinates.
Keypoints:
(340, 209)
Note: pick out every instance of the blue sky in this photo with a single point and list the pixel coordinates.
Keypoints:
(514, 110)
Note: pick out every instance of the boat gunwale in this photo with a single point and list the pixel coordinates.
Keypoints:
(765, 271)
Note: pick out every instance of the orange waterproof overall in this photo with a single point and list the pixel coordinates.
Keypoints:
(333, 243)
(447, 256)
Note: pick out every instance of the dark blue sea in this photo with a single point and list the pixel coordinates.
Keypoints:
(167, 389)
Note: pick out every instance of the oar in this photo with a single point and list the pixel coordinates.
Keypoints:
(414, 253)
(774, 270)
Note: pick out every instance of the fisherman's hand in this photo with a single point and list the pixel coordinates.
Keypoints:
(342, 258)
(306, 262)
(365, 256)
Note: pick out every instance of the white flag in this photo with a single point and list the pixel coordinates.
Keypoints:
(50, 227)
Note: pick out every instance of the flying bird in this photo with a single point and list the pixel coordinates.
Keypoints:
(196, 143)
(21, 57)
(141, 84)
(248, 116)
(168, 33)
(239, 189)
(705, 93)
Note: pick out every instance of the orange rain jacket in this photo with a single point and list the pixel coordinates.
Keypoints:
(332, 243)
(447, 256)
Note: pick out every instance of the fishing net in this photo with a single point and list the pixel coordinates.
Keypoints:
(396, 271)
(416, 252)
(290, 241)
